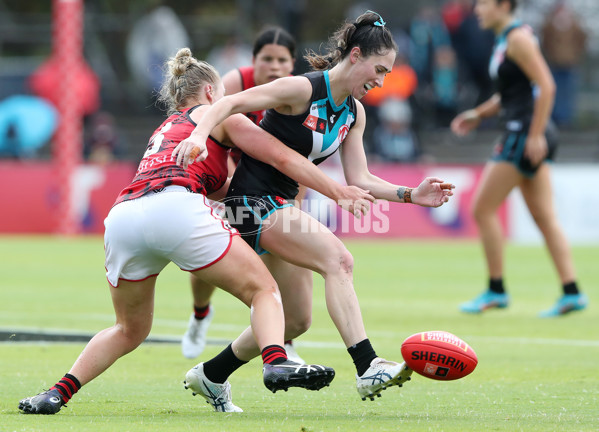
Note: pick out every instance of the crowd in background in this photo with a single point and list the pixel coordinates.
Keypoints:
(441, 68)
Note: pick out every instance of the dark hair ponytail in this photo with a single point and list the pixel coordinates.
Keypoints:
(368, 33)
(274, 35)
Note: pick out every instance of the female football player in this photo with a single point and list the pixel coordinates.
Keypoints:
(164, 216)
(315, 114)
(521, 157)
(273, 57)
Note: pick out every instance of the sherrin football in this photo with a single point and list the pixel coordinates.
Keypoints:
(439, 355)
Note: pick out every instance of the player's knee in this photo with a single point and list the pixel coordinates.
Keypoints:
(297, 325)
(339, 261)
(260, 287)
(480, 213)
(542, 219)
(132, 334)
(346, 261)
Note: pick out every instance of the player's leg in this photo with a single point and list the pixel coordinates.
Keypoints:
(297, 238)
(194, 339)
(128, 259)
(201, 291)
(296, 292)
(295, 284)
(134, 305)
(242, 273)
(293, 324)
(497, 180)
(300, 239)
(537, 194)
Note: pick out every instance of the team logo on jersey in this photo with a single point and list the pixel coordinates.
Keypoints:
(343, 131)
(280, 200)
(332, 119)
(315, 123)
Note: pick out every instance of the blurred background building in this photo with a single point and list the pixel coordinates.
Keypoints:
(441, 69)
(442, 52)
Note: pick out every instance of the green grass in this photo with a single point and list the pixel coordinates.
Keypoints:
(533, 374)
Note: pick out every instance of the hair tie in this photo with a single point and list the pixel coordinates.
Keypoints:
(379, 22)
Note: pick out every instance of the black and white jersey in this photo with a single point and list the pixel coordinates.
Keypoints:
(516, 90)
(317, 133)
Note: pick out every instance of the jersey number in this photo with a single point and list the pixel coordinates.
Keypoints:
(156, 141)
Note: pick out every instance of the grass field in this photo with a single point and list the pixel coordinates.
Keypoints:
(533, 374)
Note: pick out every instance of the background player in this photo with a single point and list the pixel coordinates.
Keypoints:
(521, 157)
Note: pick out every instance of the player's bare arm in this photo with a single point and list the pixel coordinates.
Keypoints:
(290, 95)
(524, 50)
(470, 119)
(432, 192)
(261, 145)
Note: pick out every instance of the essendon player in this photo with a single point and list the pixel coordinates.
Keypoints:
(273, 57)
(164, 216)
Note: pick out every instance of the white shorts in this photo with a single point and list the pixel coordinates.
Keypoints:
(143, 235)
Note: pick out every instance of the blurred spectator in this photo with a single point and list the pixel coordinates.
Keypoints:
(26, 124)
(102, 142)
(394, 139)
(427, 33)
(434, 62)
(445, 78)
(400, 83)
(454, 12)
(155, 37)
(473, 47)
(564, 45)
(232, 55)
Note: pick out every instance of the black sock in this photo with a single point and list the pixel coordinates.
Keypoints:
(274, 354)
(362, 353)
(571, 288)
(219, 368)
(201, 313)
(496, 286)
(67, 387)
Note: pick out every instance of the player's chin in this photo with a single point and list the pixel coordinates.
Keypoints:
(359, 93)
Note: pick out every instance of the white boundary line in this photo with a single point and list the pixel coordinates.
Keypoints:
(315, 344)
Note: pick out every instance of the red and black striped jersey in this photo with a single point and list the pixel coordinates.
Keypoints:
(156, 169)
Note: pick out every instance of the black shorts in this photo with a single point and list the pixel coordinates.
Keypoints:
(247, 214)
(510, 147)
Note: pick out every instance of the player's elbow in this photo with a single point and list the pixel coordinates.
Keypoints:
(357, 180)
(548, 87)
(282, 162)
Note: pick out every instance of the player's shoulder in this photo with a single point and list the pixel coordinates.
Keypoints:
(292, 84)
(521, 34)
(522, 42)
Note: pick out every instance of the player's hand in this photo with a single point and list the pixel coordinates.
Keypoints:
(535, 149)
(355, 200)
(191, 149)
(465, 122)
(432, 192)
